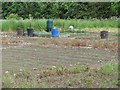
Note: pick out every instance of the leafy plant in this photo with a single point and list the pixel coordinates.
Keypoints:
(109, 68)
(13, 16)
(7, 81)
(77, 68)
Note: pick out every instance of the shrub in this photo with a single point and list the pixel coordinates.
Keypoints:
(13, 16)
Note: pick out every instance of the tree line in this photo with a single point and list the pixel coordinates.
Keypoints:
(62, 10)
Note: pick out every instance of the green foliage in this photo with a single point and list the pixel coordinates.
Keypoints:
(7, 81)
(40, 24)
(13, 16)
(110, 69)
(115, 7)
(62, 10)
(77, 68)
(118, 34)
(9, 25)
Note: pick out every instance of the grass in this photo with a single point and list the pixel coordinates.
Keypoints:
(77, 68)
(106, 76)
(7, 80)
(61, 24)
(118, 34)
(110, 69)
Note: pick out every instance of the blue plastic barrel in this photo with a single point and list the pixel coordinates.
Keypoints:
(49, 25)
(55, 32)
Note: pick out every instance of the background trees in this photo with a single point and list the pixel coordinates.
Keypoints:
(63, 10)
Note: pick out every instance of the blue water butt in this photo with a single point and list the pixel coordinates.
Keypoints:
(55, 33)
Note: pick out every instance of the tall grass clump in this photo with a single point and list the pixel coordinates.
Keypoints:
(9, 25)
(40, 24)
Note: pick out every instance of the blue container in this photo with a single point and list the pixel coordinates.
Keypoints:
(55, 33)
(49, 25)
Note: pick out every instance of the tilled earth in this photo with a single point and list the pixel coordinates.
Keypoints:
(42, 52)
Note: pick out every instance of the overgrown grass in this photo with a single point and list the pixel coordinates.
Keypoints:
(40, 24)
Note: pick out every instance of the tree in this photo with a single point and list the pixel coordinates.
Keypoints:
(63, 10)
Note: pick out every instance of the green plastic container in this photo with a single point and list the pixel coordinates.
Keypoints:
(49, 25)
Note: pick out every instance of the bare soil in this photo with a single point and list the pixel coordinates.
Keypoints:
(30, 52)
(43, 52)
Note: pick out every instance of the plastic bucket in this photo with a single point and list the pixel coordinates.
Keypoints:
(55, 33)
(104, 34)
(30, 32)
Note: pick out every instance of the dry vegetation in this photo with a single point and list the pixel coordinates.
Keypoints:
(91, 40)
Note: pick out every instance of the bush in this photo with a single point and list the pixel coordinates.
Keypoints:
(14, 16)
